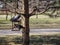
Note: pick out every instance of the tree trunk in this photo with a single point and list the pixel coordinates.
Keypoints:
(25, 32)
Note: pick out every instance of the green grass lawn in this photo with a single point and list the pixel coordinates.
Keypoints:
(44, 20)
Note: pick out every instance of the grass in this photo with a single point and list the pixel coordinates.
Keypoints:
(42, 21)
(34, 39)
(5, 24)
(5, 21)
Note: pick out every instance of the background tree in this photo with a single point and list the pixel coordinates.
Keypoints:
(30, 7)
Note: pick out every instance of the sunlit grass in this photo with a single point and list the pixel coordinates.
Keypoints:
(5, 21)
(42, 21)
(45, 21)
(3, 17)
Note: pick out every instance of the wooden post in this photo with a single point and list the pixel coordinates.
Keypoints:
(25, 32)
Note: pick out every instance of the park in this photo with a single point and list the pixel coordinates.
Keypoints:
(22, 17)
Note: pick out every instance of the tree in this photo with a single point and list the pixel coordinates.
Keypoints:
(27, 13)
(26, 30)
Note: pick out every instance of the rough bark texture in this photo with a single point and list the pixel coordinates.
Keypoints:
(25, 32)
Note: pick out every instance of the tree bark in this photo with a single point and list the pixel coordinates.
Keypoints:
(25, 32)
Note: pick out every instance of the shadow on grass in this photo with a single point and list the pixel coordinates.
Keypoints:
(34, 40)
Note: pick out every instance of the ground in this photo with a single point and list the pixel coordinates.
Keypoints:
(34, 39)
(42, 21)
